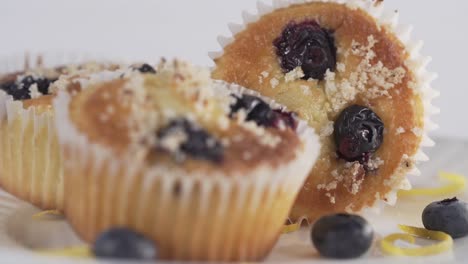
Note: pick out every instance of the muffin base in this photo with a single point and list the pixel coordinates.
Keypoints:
(191, 216)
(30, 163)
(417, 62)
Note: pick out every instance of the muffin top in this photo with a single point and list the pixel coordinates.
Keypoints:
(33, 87)
(176, 116)
(353, 80)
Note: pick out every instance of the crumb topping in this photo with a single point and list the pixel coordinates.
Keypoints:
(34, 91)
(370, 79)
(417, 131)
(372, 66)
(400, 131)
(174, 140)
(265, 137)
(294, 75)
(305, 90)
(274, 83)
(374, 163)
(327, 130)
(351, 175)
(176, 111)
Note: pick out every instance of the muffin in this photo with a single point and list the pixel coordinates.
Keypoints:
(358, 82)
(207, 170)
(30, 163)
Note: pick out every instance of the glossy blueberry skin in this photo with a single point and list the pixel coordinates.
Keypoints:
(199, 144)
(449, 216)
(256, 109)
(261, 113)
(12, 89)
(358, 131)
(342, 236)
(122, 243)
(146, 68)
(20, 90)
(306, 45)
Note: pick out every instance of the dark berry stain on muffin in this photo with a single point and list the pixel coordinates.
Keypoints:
(289, 119)
(192, 141)
(20, 89)
(177, 189)
(358, 133)
(146, 68)
(261, 113)
(309, 46)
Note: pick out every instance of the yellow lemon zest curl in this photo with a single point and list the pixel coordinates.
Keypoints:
(387, 244)
(291, 228)
(75, 252)
(457, 184)
(45, 214)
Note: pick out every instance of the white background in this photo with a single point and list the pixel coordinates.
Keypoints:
(149, 29)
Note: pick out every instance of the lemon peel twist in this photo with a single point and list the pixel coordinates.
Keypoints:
(456, 184)
(46, 213)
(291, 228)
(388, 246)
(75, 252)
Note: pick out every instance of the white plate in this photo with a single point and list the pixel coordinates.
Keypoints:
(20, 235)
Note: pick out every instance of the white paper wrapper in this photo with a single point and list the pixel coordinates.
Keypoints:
(191, 216)
(30, 167)
(416, 62)
(30, 163)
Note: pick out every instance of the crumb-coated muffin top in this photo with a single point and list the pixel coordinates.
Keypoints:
(33, 87)
(176, 116)
(319, 59)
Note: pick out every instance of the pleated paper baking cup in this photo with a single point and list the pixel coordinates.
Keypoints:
(30, 162)
(417, 62)
(191, 216)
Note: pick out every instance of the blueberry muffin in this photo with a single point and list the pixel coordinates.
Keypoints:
(207, 170)
(362, 86)
(30, 163)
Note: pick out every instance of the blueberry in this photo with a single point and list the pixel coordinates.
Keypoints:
(256, 109)
(122, 243)
(146, 68)
(20, 90)
(342, 236)
(12, 89)
(261, 113)
(289, 118)
(449, 216)
(358, 132)
(308, 46)
(43, 84)
(199, 144)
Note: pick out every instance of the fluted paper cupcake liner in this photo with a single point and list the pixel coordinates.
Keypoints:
(417, 62)
(30, 162)
(191, 216)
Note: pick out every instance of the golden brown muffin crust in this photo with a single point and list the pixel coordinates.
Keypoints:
(252, 62)
(89, 111)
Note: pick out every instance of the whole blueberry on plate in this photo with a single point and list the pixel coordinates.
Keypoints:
(342, 236)
(449, 216)
(122, 243)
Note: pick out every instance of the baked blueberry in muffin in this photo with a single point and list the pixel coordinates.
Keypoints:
(355, 78)
(30, 163)
(209, 169)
